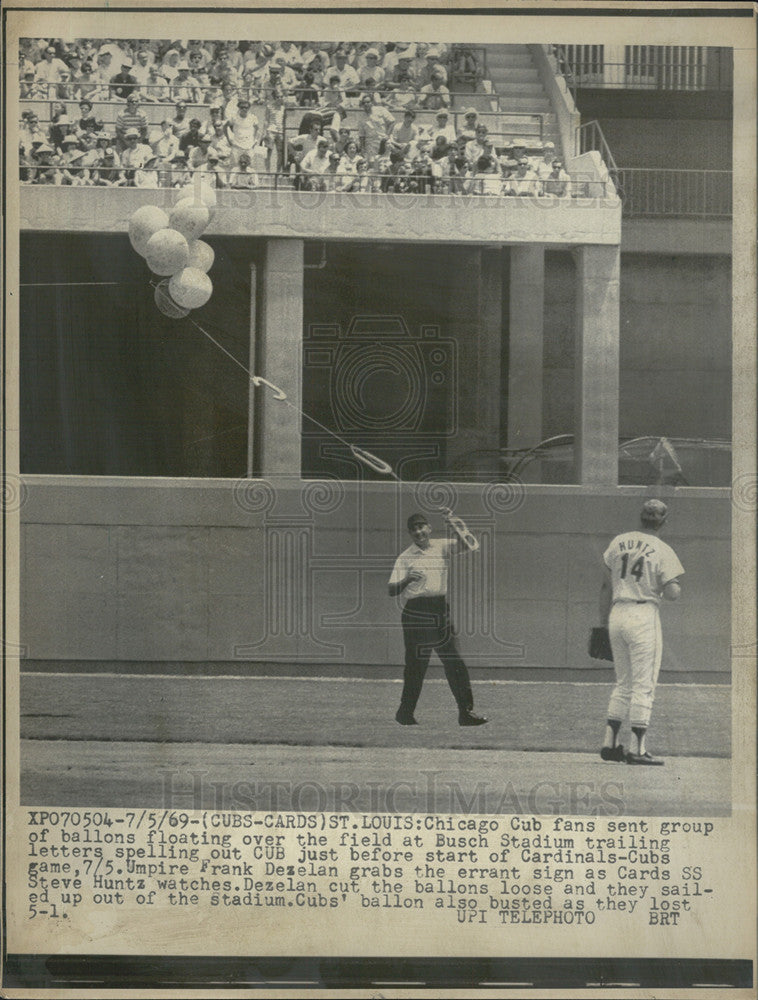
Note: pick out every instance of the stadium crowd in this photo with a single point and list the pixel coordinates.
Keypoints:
(229, 113)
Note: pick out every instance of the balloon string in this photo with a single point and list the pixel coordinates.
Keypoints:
(287, 402)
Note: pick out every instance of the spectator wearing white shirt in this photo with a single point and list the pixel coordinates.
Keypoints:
(557, 184)
(167, 146)
(315, 165)
(349, 79)
(544, 165)
(242, 129)
(141, 67)
(243, 177)
(524, 183)
(50, 71)
(443, 126)
(156, 90)
(435, 95)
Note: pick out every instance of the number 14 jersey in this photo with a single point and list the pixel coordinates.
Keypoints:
(641, 565)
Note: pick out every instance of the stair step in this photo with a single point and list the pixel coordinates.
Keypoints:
(518, 88)
(523, 61)
(536, 105)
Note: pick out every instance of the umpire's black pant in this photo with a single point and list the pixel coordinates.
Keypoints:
(426, 627)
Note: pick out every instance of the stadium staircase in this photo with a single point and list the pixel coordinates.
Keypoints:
(518, 90)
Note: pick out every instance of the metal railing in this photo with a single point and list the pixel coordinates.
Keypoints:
(648, 67)
(468, 64)
(408, 183)
(591, 138)
(650, 192)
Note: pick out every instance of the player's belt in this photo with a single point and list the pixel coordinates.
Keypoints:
(628, 600)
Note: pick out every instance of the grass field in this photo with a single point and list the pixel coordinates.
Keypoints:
(102, 739)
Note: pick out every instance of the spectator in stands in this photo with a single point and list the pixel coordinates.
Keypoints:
(69, 162)
(141, 67)
(49, 70)
(479, 146)
(440, 156)
(45, 171)
(135, 154)
(64, 90)
(487, 180)
(148, 176)
(197, 156)
(192, 137)
(60, 126)
(315, 165)
(349, 79)
(124, 83)
(307, 93)
(185, 87)
(543, 165)
(212, 172)
(557, 184)
(169, 64)
(31, 89)
(508, 161)
(242, 129)
(108, 172)
(282, 76)
(422, 167)
(403, 134)
(87, 84)
(87, 121)
(219, 141)
(465, 64)
(180, 175)
(435, 95)
(432, 67)
(180, 123)
(332, 96)
(103, 72)
(401, 83)
(131, 118)
(32, 132)
(242, 177)
(519, 152)
(229, 100)
(470, 121)
(371, 71)
(443, 126)
(524, 182)
(374, 128)
(274, 136)
(347, 170)
(156, 90)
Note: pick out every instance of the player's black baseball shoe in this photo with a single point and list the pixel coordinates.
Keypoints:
(613, 753)
(643, 758)
(405, 719)
(470, 719)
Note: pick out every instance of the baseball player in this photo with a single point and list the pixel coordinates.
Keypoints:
(640, 569)
(419, 578)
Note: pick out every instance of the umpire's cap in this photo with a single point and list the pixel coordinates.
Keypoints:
(654, 512)
(415, 519)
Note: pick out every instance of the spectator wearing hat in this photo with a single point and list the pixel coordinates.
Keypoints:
(290, 55)
(123, 83)
(141, 68)
(443, 126)
(32, 132)
(314, 166)
(435, 95)
(69, 154)
(178, 174)
(374, 127)
(468, 123)
(242, 177)
(557, 184)
(524, 182)
(131, 118)
(108, 172)
(347, 169)
(134, 155)
(212, 171)
(508, 161)
(60, 126)
(197, 156)
(103, 71)
(45, 171)
(219, 141)
(349, 78)
(371, 70)
(169, 64)
(273, 138)
(544, 165)
(185, 87)
(243, 129)
(148, 175)
(31, 89)
(432, 66)
(282, 76)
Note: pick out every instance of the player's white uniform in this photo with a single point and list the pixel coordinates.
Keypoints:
(640, 565)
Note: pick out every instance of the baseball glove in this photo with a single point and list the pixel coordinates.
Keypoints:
(599, 646)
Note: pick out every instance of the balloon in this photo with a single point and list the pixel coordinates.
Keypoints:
(201, 256)
(167, 252)
(190, 288)
(143, 224)
(201, 192)
(190, 218)
(166, 304)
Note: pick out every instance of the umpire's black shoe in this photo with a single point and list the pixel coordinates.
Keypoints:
(643, 758)
(405, 719)
(469, 719)
(613, 753)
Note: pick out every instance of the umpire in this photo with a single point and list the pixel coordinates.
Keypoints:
(419, 577)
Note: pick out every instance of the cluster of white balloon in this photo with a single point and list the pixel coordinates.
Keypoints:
(172, 249)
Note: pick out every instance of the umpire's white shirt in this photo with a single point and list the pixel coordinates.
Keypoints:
(432, 563)
(641, 565)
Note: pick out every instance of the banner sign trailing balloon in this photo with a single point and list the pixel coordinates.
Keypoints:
(166, 304)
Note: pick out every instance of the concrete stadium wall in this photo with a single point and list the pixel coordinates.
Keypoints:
(190, 570)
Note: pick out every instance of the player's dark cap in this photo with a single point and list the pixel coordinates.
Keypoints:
(654, 512)
(415, 519)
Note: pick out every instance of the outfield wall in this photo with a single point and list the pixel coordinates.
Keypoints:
(221, 570)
